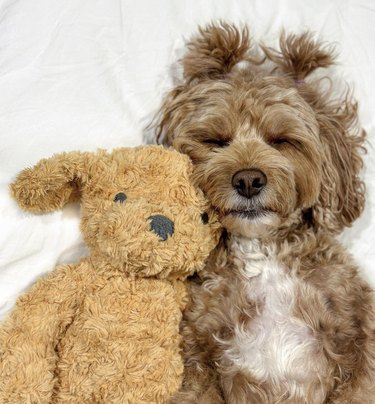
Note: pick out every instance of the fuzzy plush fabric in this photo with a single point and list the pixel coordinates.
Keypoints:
(106, 329)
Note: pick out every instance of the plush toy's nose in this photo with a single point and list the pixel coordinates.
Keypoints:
(162, 226)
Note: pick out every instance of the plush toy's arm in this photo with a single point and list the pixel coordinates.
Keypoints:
(29, 336)
(182, 293)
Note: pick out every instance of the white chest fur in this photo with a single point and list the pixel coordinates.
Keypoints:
(275, 347)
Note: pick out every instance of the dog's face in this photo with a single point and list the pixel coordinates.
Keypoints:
(256, 150)
(266, 152)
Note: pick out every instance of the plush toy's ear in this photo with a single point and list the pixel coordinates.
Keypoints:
(214, 51)
(300, 55)
(52, 182)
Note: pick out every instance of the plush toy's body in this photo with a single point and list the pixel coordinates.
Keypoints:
(105, 330)
(108, 338)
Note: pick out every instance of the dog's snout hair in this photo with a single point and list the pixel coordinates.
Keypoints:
(249, 182)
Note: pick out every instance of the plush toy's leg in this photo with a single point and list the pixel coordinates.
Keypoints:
(29, 336)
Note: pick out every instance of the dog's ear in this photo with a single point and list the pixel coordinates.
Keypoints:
(211, 54)
(342, 194)
(52, 182)
(214, 51)
(300, 55)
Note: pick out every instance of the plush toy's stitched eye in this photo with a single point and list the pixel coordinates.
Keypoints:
(204, 217)
(120, 197)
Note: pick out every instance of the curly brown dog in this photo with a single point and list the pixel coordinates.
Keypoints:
(281, 314)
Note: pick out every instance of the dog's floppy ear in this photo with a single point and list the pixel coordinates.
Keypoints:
(52, 182)
(300, 54)
(342, 195)
(214, 51)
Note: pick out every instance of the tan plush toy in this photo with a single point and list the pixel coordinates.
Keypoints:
(105, 330)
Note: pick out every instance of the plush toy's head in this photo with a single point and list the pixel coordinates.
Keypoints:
(140, 210)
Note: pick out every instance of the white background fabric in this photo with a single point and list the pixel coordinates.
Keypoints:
(84, 74)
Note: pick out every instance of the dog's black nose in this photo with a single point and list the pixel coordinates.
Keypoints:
(249, 182)
(162, 226)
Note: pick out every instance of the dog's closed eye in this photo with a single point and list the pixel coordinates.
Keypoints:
(279, 141)
(216, 142)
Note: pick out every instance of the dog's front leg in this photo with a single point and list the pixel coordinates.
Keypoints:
(200, 382)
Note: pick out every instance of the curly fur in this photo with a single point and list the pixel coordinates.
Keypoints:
(280, 314)
(106, 330)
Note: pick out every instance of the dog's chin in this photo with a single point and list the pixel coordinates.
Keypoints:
(250, 223)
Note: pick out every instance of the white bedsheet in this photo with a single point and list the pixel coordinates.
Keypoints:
(83, 74)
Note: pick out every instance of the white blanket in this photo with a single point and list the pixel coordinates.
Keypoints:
(84, 74)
